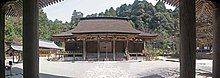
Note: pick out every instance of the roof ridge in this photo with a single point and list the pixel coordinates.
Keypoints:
(106, 17)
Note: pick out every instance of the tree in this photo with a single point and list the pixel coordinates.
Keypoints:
(123, 11)
(160, 7)
(75, 18)
(93, 15)
(101, 14)
(112, 12)
(107, 13)
(13, 29)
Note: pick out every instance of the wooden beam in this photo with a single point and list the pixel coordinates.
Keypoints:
(30, 39)
(187, 38)
(202, 9)
(176, 3)
(216, 45)
(2, 41)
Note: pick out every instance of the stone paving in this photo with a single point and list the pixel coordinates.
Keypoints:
(112, 69)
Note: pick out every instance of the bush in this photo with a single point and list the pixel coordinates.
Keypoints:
(152, 54)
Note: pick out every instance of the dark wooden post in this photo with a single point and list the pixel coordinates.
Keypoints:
(127, 50)
(2, 41)
(136, 57)
(30, 39)
(187, 38)
(98, 48)
(114, 49)
(216, 43)
(73, 58)
(84, 49)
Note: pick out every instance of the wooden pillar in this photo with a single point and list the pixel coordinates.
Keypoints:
(136, 56)
(73, 57)
(114, 49)
(127, 50)
(2, 41)
(216, 43)
(106, 51)
(187, 38)
(84, 49)
(30, 39)
(48, 55)
(98, 48)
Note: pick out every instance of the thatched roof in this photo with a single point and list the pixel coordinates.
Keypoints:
(104, 25)
(64, 34)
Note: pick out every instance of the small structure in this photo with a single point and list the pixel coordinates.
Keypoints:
(46, 48)
(103, 38)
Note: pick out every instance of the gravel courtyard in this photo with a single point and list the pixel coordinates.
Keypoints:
(112, 69)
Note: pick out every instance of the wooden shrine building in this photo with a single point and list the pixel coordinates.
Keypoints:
(103, 38)
(46, 49)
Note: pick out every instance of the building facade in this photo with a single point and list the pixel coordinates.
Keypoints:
(103, 38)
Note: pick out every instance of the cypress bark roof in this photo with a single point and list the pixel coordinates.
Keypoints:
(104, 25)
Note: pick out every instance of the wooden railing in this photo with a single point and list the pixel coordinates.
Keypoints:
(70, 52)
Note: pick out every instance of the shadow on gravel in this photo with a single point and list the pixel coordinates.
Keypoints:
(51, 76)
(153, 76)
(18, 73)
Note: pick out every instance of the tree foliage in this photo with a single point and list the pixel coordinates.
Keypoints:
(75, 18)
(13, 29)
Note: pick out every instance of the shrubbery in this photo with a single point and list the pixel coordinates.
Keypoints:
(152, 54)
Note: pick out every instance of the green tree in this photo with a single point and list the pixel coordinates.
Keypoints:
(160, 7)
(112, 11)
(93, 15)
(107, 13)
(75, 18)
(101, 14)
(124, 10)
(13, 29)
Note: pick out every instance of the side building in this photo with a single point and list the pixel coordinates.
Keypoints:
(46, 49)
(103, 38)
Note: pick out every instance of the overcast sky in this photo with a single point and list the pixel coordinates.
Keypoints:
(64, 9)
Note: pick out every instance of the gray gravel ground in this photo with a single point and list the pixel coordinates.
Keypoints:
(112, 69)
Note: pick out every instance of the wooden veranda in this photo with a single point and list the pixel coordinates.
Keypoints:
(190, 12)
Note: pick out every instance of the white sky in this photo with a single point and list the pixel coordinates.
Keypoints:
(63, 10)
